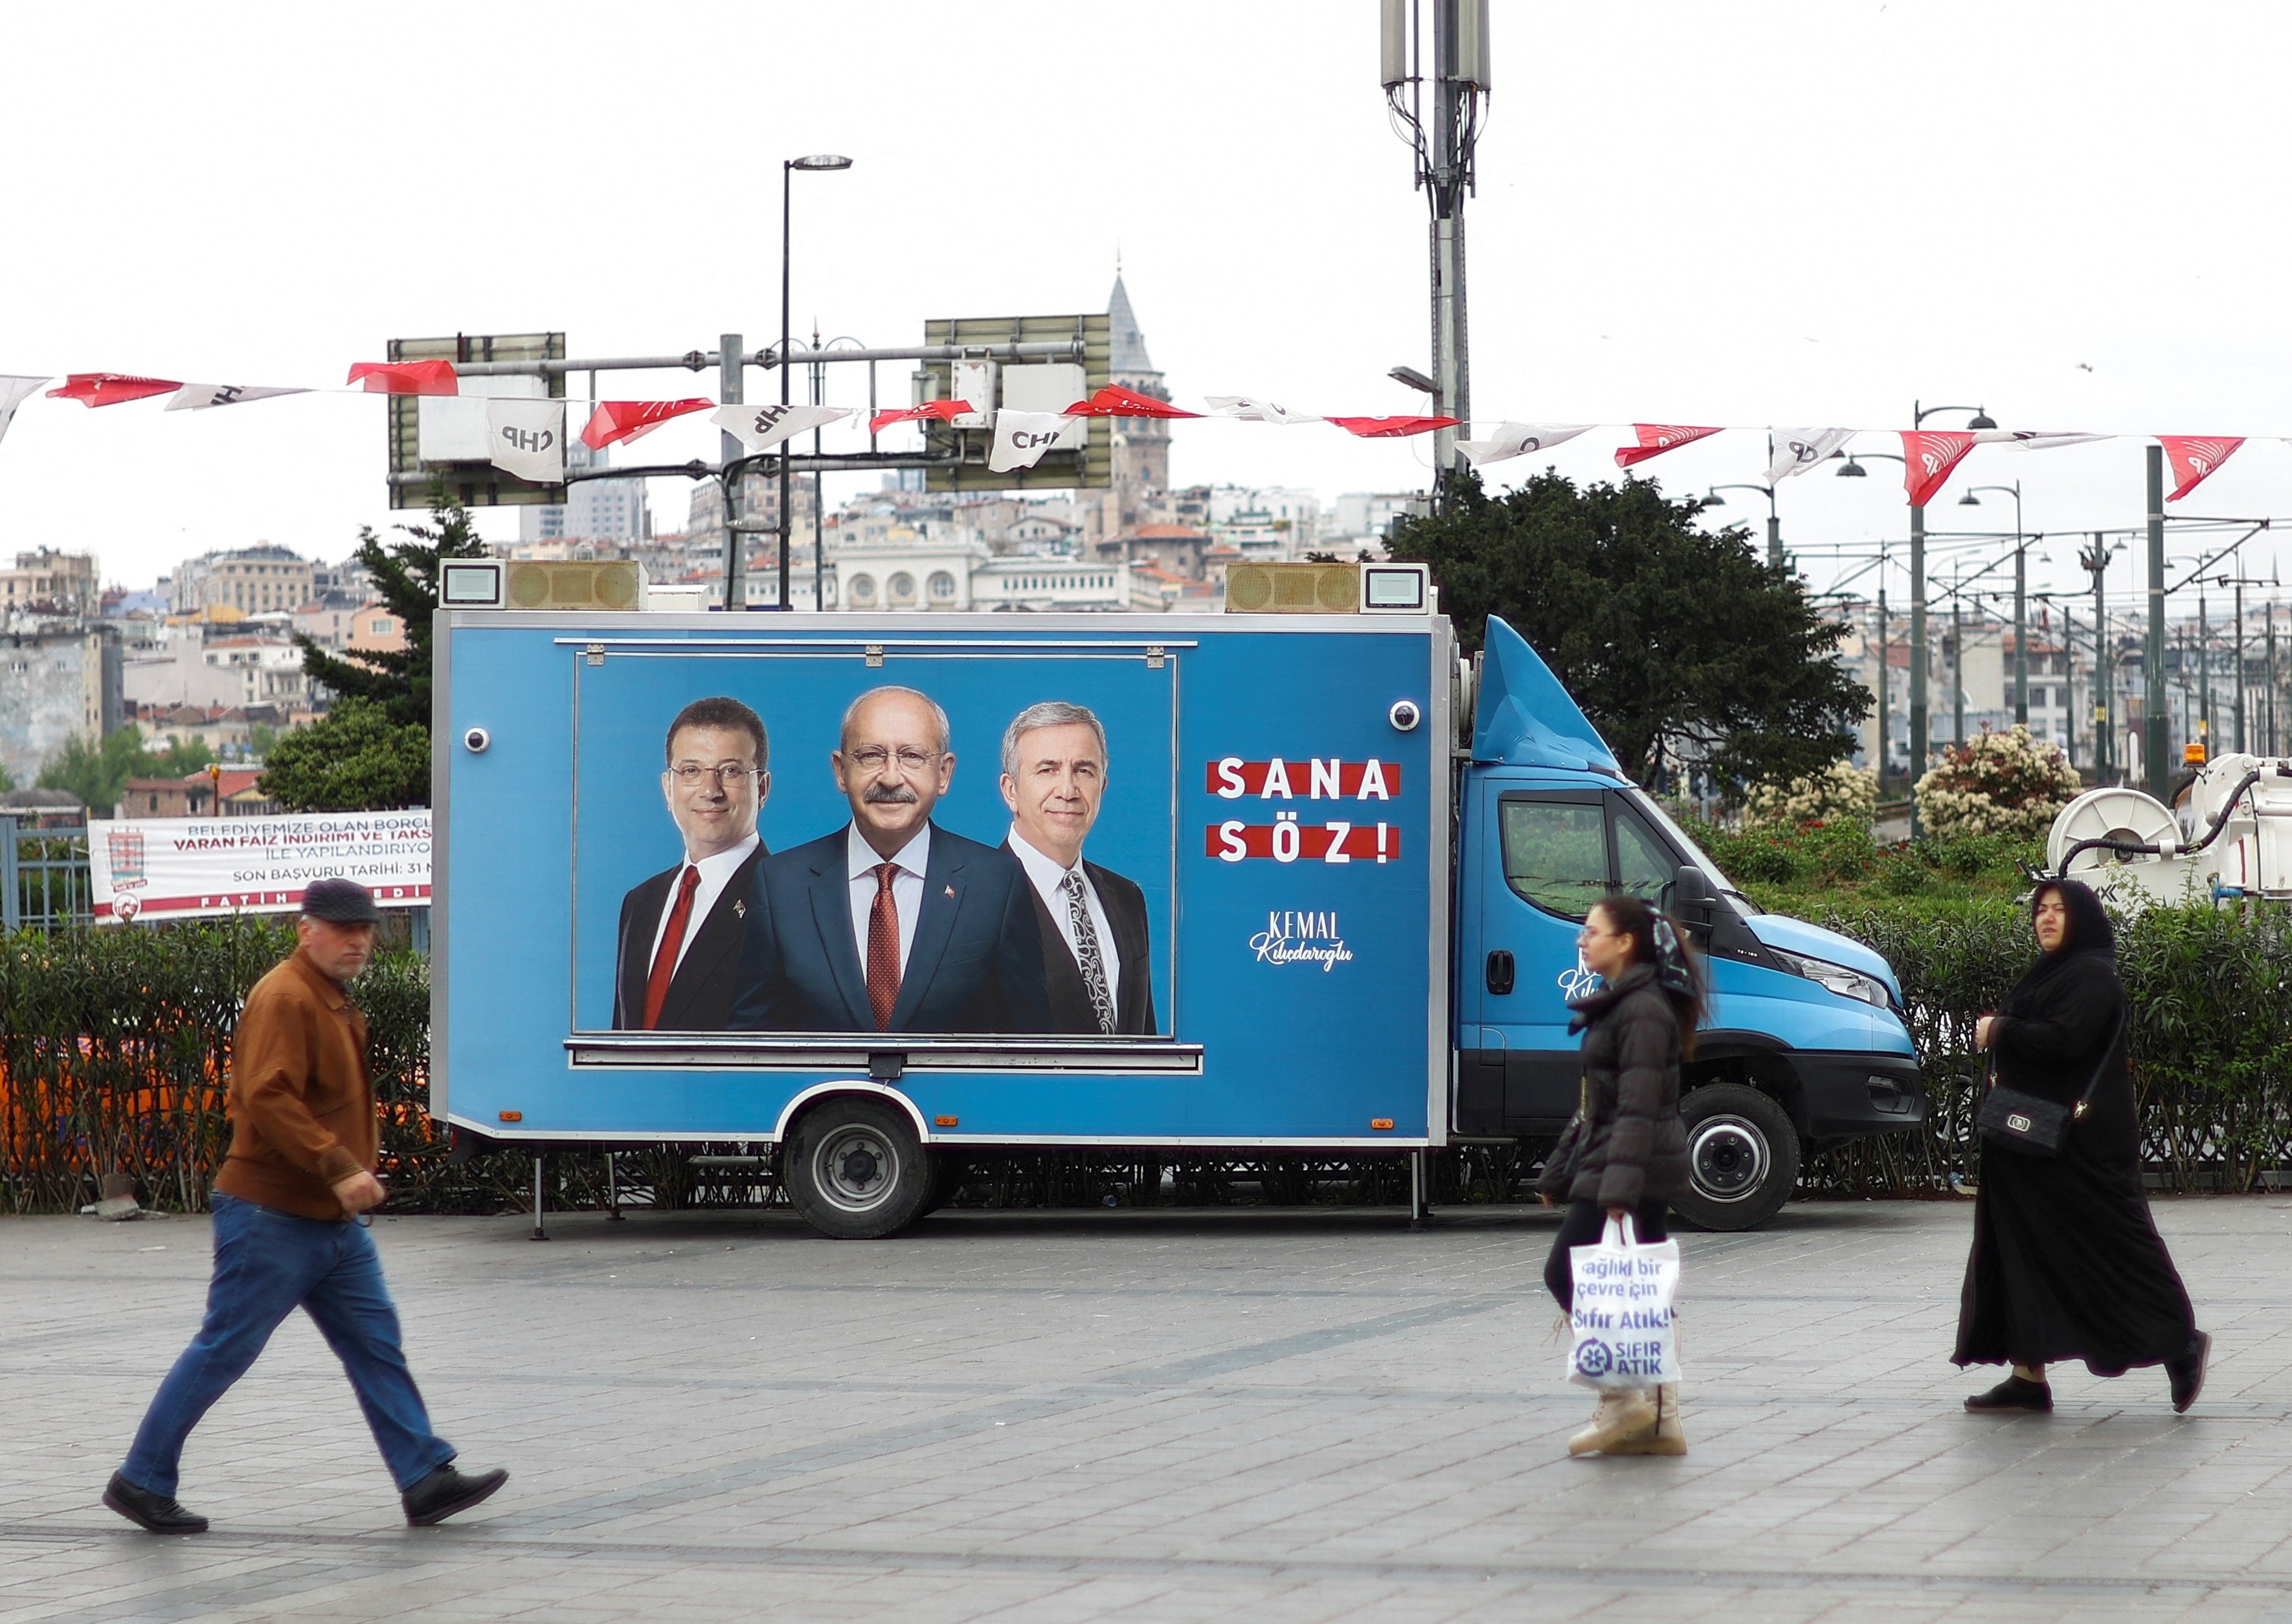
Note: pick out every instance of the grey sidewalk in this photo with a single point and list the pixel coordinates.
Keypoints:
(1148, 1416)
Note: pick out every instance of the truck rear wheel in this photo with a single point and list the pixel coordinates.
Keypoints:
(855, 1169)
(1742, 1158)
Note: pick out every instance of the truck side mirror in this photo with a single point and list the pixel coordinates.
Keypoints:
(1691, 889)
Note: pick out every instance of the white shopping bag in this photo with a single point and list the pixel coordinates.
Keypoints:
(1620, 1331)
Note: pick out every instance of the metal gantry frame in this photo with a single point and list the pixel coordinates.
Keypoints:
(730, 465)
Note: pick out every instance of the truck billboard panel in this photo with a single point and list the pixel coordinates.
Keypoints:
(1265, 850)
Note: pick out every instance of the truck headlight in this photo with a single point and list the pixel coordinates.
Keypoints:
(1842, 981)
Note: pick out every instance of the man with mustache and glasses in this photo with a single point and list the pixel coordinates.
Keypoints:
(892, 923)
(680, 933)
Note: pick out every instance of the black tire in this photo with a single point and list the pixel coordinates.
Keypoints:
(855, 1169)
(946, 1179)
(1742, 1158)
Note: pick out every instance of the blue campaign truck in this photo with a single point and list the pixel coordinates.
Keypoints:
(1341, 874)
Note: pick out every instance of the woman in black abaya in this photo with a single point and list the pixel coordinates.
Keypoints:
(2067, 1263)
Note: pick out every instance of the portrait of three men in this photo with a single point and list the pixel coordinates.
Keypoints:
(891, 923)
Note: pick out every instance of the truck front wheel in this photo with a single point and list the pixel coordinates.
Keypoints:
(855, 1169)
(1742, 1158)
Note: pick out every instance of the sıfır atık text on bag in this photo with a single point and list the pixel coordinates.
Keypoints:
(1620, 1329)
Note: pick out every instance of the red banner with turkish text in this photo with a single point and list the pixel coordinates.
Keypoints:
(1311, 779)
(1289, 840)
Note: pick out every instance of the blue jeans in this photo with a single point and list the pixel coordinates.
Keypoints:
(267, 1263)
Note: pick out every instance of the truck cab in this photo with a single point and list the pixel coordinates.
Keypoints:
(1804, 1039)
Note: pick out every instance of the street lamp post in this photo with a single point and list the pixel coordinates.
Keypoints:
(2096, 559)
(1972, 498)
(811, 164)
(1712, 499)
(1918, 415)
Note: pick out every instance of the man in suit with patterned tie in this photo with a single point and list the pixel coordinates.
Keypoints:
(1095, 958)
(680, 934)
(892, 923)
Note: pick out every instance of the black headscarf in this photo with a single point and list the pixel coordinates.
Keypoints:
(2090, 933)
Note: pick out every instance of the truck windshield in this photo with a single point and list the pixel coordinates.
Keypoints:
(1648, 805)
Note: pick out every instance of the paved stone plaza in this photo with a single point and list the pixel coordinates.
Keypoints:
(1145, 1416)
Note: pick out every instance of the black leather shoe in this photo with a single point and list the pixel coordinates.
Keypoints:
(2186, 1370)
(2014, 1394)
(446, 1491)
(157, 1514)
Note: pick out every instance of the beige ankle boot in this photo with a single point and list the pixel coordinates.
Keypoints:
(1623, 1413)
(1667, 1437)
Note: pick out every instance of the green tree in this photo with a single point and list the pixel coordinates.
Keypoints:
(97, 771)
(357, 759)
(7, 780)
(180, 759)
(406, 579)
(1680, 644)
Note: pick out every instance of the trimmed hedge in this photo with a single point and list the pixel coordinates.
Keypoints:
(2211, 1053)
(114, 1045)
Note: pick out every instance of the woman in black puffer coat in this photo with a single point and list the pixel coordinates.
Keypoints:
(1625, 1151)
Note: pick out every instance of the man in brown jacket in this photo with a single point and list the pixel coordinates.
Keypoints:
(289, 1232)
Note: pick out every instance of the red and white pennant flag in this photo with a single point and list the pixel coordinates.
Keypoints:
(1797, 450)
(1655, 438)
(615, 422)
(930, 411)
(205, 397)
(406, 377)
(15, 389)
(1249, 408)
(1512, 440)
(110, 388)
(760, 428)
(2196, 457)
(1928, 457)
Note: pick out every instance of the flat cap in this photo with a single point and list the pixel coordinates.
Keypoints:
(340, 901)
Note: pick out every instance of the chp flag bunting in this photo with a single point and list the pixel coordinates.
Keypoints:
(2196, 458)
(15, 389)
(760, 428)
(1249, 408)
(617, 421)
(110, 388)
(1391, 428)
(2030, 440)
(1797, 450)
(1655, 438)
(930, 411)
(406, 377)
(1116, 402)
(1928, 457)
(203, 397)
(1512, 440)
(1021, 438)
(527, 438)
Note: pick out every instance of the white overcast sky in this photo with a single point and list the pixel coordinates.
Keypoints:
(1789, 213)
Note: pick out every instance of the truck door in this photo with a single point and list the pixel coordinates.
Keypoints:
(1545, 860)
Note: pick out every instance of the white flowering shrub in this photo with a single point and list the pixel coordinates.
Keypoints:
(2008, 784)
(1842, 790)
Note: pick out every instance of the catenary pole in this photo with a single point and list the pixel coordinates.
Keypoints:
(729, 448)
(2155, 734)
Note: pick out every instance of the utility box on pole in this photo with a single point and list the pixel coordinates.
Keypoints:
(435, 439)
(1030, 382)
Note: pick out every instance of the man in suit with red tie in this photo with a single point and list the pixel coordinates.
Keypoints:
(892, 923)
(1095, 958)
(680, 935)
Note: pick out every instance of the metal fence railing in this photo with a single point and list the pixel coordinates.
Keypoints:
(44, 877)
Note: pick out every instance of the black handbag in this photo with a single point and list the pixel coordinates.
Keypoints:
(2030, 1123)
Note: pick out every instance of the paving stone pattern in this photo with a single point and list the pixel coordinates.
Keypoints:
(1151, 1416)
